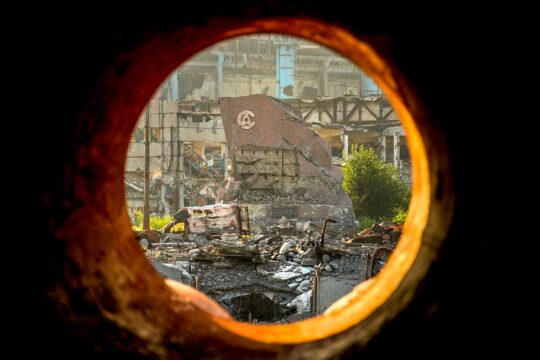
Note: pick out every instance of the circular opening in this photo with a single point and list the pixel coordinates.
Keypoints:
(116, 273)
(234, 209)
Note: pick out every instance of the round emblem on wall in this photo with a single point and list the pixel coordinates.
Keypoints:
(244, 119)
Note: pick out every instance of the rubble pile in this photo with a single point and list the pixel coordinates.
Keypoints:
(268, 277)
(384, 234)
(279, 165)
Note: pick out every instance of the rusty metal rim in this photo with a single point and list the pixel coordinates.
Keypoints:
(357, 316)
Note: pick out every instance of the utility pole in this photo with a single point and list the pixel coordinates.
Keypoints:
(179, 168)
(164, 201)
(182, 177)
(146, 208)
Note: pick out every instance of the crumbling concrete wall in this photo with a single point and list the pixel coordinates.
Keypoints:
(267, 139)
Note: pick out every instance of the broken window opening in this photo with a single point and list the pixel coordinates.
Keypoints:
(155, 134)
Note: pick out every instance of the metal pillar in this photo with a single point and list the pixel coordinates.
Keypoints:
(345, 146)
(382, 142)
(180, 185)
(396, 149)
(285, 66)
(174, 85)
(166, 207)
(324, 71)
(219, 74)
(179, 176)
(226, 162)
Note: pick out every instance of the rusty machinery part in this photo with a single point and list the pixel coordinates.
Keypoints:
(324, 229)
(378, 259)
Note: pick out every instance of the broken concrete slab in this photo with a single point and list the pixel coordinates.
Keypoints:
(309, 262)
(235, 248)
(328, 268)
(285, 248)
(304, 286)
(285, 275)
(291, 271)
(302, 302)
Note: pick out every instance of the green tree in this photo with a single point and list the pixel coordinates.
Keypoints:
(374, 187)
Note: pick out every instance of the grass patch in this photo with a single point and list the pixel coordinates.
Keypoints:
(156, 222)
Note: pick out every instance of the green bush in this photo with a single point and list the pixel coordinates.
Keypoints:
(137, 220)
(366, 222)
(400, 216)
(374, 187)
(159, 222)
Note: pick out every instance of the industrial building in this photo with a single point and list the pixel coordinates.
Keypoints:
(187, 143)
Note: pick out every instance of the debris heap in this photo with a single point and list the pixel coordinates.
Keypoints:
(269, 277)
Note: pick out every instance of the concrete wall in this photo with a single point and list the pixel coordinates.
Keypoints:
(277, 152)
(172, 124)
(173, 121)
(246, 73)
(164, 124)
(275, 127)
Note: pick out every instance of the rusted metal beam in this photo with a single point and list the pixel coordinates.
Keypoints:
(326, 221)
(315, 290)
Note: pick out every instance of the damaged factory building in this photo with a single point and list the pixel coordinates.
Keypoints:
(280, 163)
(254, 182)
(186, 139)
